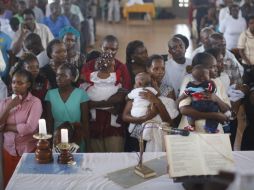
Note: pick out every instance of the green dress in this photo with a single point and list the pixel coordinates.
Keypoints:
(69, 110)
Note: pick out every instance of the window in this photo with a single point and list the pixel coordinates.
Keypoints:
(183, 3)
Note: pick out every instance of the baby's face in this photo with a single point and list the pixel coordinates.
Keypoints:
(141, 80)
(201, 75)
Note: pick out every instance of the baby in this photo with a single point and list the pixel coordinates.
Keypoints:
(198, 90)
(140, 106)
(102, 84)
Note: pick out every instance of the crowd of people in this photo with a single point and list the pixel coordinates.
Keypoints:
(103, 102)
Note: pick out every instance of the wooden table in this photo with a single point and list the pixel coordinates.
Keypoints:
(148, 8)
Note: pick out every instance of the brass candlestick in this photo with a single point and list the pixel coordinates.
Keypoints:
(65, 156)
(43, 152)
(142, 170)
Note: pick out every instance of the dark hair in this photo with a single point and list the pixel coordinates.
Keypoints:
(93, 55)
(184, 39)
(130, 49)
(28, 57)
(174, 39)
(250, 17)
(233, 6)
(21, 2)
(25, 58)
(110, 38)
(14, 23)
(26, 74)
(32, 41)
(201, 59)
(152, 58)
(28, 12)
(214, 52)
(70, 67)
(51, 45)
(216, 36)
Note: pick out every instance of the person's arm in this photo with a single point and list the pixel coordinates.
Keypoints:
(191, 112)
(162, 111)
(127, 117)
(202, 22)
(244, 57)
(17, 45)
(49, 118)
(31, 124)
(5, 113)
(12, 128)
(117, 98)
(183, 96)
(222, 105)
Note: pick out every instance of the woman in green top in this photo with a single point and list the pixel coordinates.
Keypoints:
(67, 103)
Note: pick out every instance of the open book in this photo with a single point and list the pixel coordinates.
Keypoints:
(198, 154)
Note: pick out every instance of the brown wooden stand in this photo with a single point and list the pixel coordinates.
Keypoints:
(43, 153)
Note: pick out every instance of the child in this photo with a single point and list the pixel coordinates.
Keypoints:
(102, 84)
(29, 62)
(199, 90)
(140, 106)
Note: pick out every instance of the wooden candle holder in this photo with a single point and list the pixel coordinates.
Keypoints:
(43, 152)
(65, 156)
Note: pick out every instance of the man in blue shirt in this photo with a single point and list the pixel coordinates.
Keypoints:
(56, 21)
(5, 44)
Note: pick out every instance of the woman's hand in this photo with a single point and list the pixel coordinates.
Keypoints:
(211, 96)
(221, 117)
(148, 95)
(16, 101)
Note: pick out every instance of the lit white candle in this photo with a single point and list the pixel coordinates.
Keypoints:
(42, 127)
(64, 135)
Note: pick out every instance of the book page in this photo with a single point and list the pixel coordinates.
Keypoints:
(198, 154)
(183, 154)
(216, 151)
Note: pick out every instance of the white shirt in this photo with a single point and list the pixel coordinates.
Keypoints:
(102, 89)
(234, 61)
(42, 30)
(3, 90)
(200, 49)
(139, 105)
(43, 59)
(231, 29)
(225, 80)
(5, 26)
(174, 74)
(2, 62)
(224, 13)
(246, 42)
(38, 14)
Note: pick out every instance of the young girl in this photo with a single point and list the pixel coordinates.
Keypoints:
(30, 63)
(102, 84)
(68, 104)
